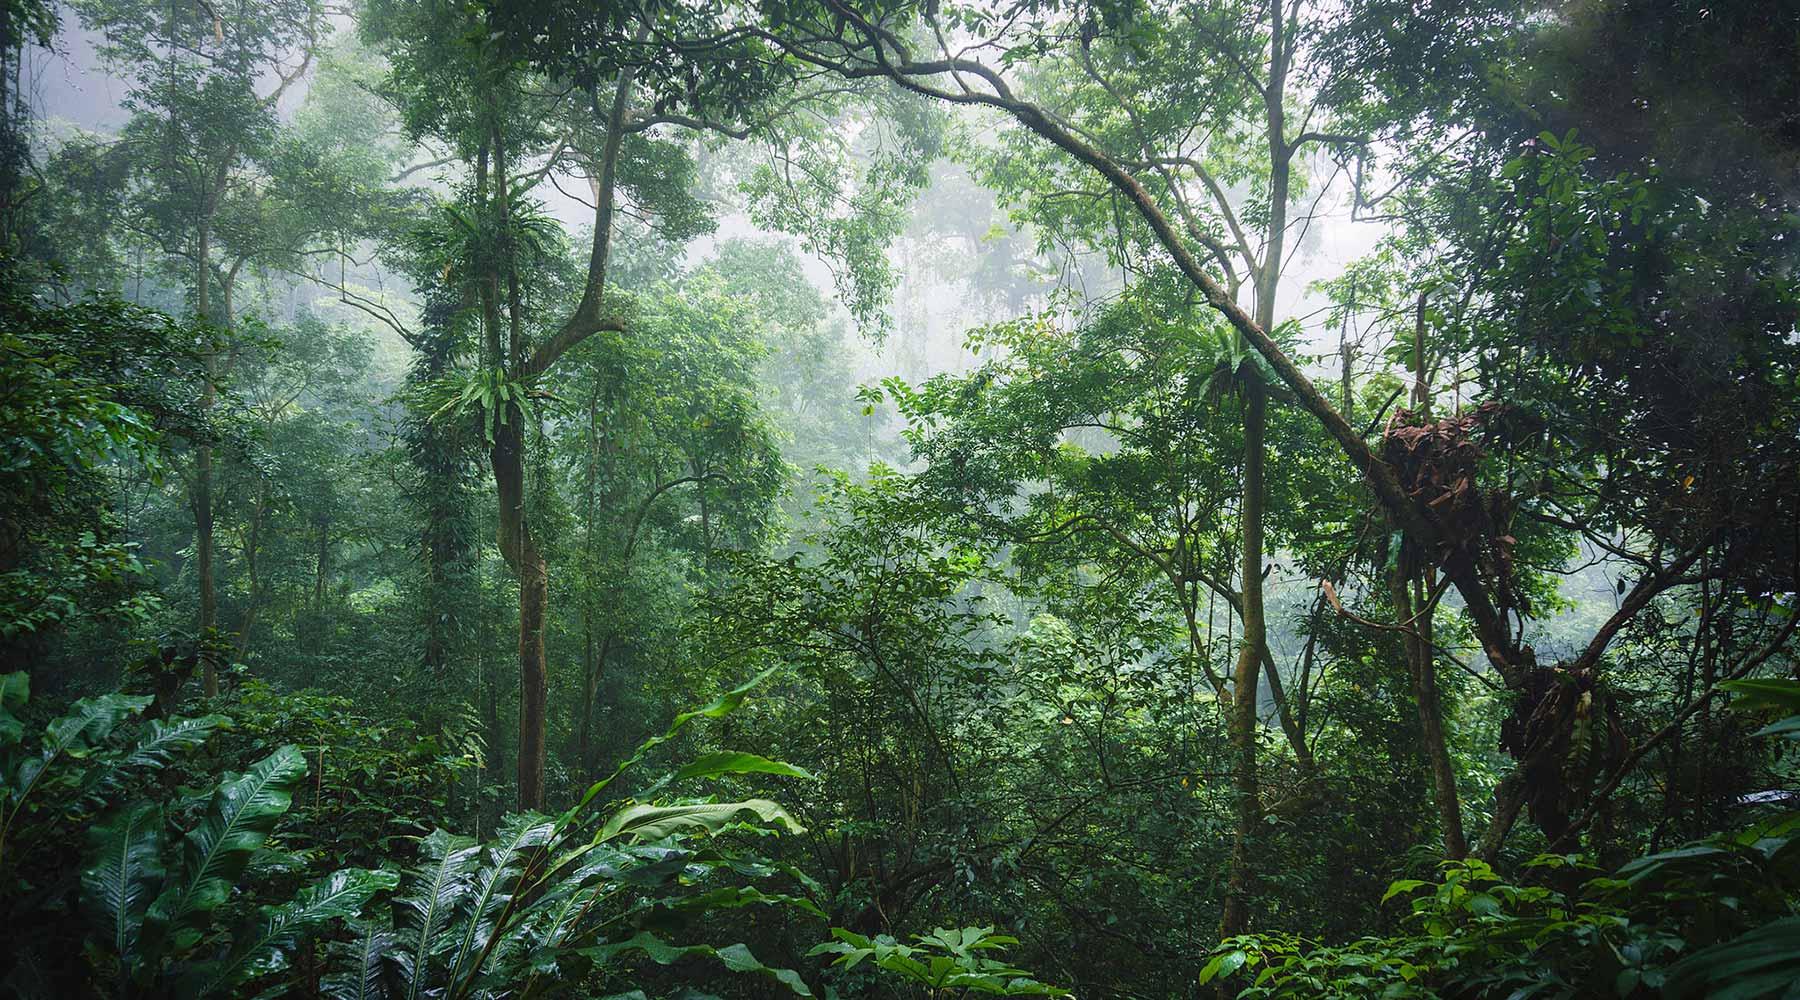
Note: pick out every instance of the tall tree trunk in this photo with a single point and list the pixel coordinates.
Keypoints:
(516, 543)
(442, 494)
(203, 471)
(596, 673)
(1235, 913)
(1420, 642)
(527, 563)
(323, 567)
(252, 549)
(1235, 916)
(1410, 592)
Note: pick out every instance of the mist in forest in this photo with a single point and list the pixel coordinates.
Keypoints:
(689, 500)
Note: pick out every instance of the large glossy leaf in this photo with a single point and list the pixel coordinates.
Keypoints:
(265, 946)
(737, 762)
(735, 897)
(1773, 692)
(652, 822)
(243, 812)
(125, 868)
(359, 965)
(1761, 963)
(436, 892)
(159, 745)
(494, 883)
(15, 690)
(736, 957)
(89, 721)
(164, 739)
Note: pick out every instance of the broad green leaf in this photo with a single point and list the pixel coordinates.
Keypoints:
(437, 892)
(265, 946)
(243, 812)
(1766, 692)
(157, 748)
(89, 721)
(124, 870)
(15, 690)
(723, 705)
(359, 965)
(736, 957)
(737, 762)
(494, 884)
(1399, 886)
(1789, 727)
(652, 822)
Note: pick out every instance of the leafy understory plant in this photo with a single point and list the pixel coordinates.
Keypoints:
(1717, 918)
(150, 905)
(947, 962)
(551, 900)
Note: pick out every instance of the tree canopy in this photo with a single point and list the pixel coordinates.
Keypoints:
(698, 499)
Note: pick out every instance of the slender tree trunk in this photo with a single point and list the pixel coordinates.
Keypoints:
(527, 563)
(1421, 644)
(584, 753)
(203, 471)
(252, 548)
(1235, 916)
(323, 569)
(1235, 913)
(1421, 664)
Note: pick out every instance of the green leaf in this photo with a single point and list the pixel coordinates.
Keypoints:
(494, 882)
(242, 814)
(723, 705)
(1789, 727)
(652, 822)
(1761, 962)
(1766, 692)
(735, 897)
(438, 891)
(158, 747)
(165, 739)
(15, 690)
(738, 762)
(1399, 886)
(736, 957)
(89, 721)
(360, 965)
(124, 870)
(264, 947)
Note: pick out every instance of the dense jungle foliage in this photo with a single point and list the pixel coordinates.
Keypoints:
(706, 499)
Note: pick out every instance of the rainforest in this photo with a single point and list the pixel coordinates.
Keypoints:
(900, 499)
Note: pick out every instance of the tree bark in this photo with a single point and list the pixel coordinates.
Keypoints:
(203, 473)
(1421, 665)
(323, 566)
(1234, 918)
(527, 564)
(1420, 644)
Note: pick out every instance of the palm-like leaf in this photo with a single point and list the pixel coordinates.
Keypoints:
(438, 892)
(158, 747)
(264, 947)
(494, 885)
(89, 721)
(736, 957)
(242, 814)
(122, 877)
(361, 964)
(15, 690)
